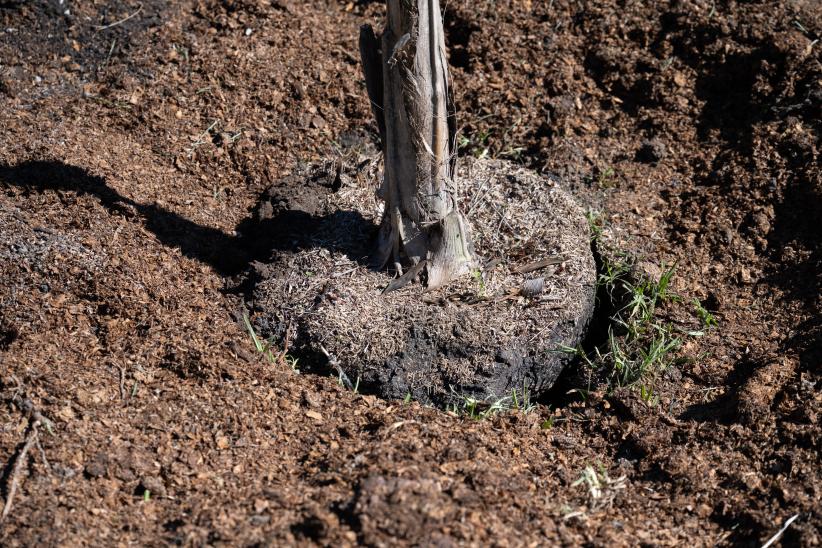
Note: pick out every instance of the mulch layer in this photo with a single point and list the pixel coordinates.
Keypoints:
(138, 139)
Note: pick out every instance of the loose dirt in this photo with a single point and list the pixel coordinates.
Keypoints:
(138, 139)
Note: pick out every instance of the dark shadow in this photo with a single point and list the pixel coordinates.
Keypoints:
(609, 70)
(8, 334)
(742, 89)
(628, 449)
(458, 32)
(107, 32)
(738, 89)
(799, 273)
(807, 343)
(724, 409)
(311, 528)
(656, 473)
(207, 245)
(576, 380)
(734, 106)
(257, 237)
(794, 243)
(796, 225)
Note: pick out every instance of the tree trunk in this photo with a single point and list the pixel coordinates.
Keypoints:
(409, 87)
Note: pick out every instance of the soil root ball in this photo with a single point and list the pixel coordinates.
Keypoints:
(483, 336)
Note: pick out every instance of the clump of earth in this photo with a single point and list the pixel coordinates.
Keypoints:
(502, 330)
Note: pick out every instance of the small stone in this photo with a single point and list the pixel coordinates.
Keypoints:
(310, 399)
(509, 357)
(260, 505)
(125, 473)
(533, 287)
(259, 520)
(760, 224)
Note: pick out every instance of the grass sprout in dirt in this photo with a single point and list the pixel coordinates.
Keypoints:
(519, 401)
(637, 344)
(267, 348)
(601, 488)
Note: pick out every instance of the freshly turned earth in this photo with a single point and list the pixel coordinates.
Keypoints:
(691, 126)
(484, 336)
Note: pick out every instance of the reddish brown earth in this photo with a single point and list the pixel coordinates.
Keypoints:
(132, 155)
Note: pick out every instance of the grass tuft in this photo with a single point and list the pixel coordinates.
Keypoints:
(267, 349)
(638, 345)
(518, 401)
(708, 320)
(600, 487)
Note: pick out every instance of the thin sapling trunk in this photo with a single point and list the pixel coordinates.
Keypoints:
(409, 87)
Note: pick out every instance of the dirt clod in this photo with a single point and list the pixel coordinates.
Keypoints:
(154, 485)
(651, 151)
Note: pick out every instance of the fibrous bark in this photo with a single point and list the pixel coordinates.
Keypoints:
(409, 87)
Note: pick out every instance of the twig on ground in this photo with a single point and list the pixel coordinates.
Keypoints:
(283, 358)
(397, 425)
(122, 382)
(36, 419)
(502, 219)
(333, 362)
(406, 278)
(31, 438)
(110, 51)
(779, 533)
(27, 407)
(43, 455)
(341, 274)
(539, 265)
(121, 21)
(478, 196)
(201, 139)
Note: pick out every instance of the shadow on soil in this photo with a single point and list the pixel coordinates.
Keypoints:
(796, 247)
(271, 227)
(725, 408)
(109, 32)
(577, 379)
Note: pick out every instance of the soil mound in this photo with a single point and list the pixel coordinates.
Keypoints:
(483, 336)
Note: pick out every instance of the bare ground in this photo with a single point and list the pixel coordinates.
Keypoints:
(138, 137)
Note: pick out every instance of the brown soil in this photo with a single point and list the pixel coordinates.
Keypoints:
(135, 149)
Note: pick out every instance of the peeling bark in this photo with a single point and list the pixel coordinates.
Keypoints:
(413, 102)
